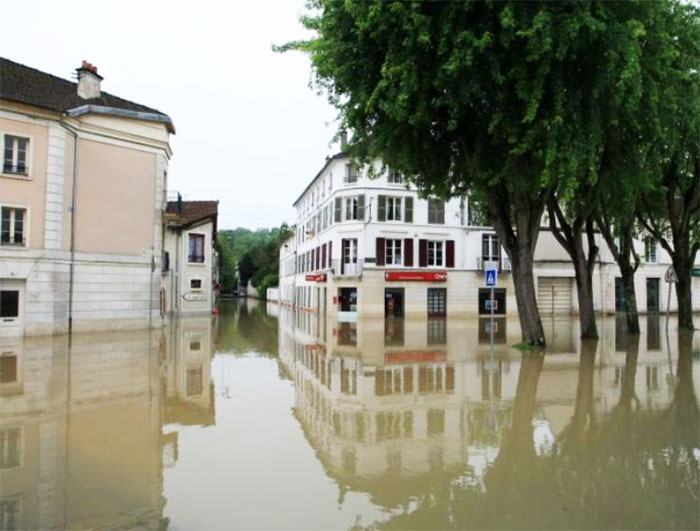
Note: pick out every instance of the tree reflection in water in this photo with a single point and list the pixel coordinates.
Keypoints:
(635, 467)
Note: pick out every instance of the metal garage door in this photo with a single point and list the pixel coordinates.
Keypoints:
(554, 295)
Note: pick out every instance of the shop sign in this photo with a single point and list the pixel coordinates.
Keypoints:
(321, 277)
(413, 356)
(416, 276)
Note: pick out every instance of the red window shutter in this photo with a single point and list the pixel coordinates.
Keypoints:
(318, 257)
(380, 251)
(330, 253)
(408, 252)
(450, 254)
(423, 253)
(323, 260)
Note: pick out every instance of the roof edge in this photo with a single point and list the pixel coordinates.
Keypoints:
(123, 113)
(337, 156)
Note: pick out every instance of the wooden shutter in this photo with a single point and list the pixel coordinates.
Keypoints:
(408, 214)
(381, 208)
(381, 242)
(330, 252)
(361, 207)
(450, 253)
(441, 211)
(408, 252)
(342, 258)
(313, 257)
(318, 257)
(323, 262)
(338, 209)
(422, 253)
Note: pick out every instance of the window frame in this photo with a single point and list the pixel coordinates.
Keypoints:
(394, 177)
(651, 251)
(201, 284)
(492, 239)
(395, 211)
(437, 245)
(29, 155)
(393, 253)
(434, 211)
(25, 228)
(196, 235)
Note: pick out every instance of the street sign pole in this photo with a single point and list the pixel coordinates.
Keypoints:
(671, 278)
(491, 281)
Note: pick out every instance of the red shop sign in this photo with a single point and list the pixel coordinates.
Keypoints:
(417, 276)
(412, 356)
(321, 277)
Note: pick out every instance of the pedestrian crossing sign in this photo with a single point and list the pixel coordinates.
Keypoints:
(491, 278)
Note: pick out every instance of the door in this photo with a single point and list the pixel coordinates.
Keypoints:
(437, 302)
(499, 302)
(348, 264)
(554, 295)
(652, 294)
(620, 304)
(393, 302)
(11, 308)
(347, 299)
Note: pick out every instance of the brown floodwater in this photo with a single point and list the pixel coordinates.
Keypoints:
(266, 418)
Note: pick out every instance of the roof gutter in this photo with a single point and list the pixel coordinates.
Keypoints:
(123, 113)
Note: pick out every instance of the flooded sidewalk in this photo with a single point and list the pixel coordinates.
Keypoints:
(267, 418)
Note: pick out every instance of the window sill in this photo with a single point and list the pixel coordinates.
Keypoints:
(196, 263)
(17, 176)
(12, 246)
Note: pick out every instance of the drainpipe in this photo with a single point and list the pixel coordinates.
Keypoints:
(74, 186)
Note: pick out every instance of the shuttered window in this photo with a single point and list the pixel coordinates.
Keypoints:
(393, 252)
(380, 251)
(408, 252)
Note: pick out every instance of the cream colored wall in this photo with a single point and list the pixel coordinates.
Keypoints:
(115, 197)
(29, 192)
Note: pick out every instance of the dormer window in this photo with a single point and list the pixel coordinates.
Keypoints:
(395, 177)
(16, 155)
(350, 173)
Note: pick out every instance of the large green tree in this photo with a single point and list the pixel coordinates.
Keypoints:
(499, 97)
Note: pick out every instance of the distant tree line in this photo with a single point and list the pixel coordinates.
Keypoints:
(246, 255)
(588, 112)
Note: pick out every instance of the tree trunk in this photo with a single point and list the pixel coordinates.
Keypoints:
(525, 297)
(631, 312)
(584, 285)
(684, 293)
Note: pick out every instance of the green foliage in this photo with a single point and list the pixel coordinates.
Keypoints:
(252, 255)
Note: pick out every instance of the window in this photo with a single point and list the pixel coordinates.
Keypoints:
(650, 250)
(12, 226)
(15, 159)
(437, 301)
(393, 252)
(395, 177)
(10, 447)
(350, 251)
(393, 209)
(490, 248)
(194, 384)
(195, 345)
(354, 208)
(350, 174)
(9, 303)
(436, 211)
(435, 253)
(196, 284)
(196, 249)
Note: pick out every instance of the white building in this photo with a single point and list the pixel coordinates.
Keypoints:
(190, 264)
(375, 247)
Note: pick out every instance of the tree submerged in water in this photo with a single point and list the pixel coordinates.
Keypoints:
(514, 101)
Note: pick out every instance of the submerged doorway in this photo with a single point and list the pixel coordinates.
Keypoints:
(393, 302)
(347, 299)
(652, 294)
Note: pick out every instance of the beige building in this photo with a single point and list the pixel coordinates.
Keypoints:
(82, 191)
(190, 266)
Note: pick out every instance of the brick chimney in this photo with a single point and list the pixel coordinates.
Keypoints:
(88, 81)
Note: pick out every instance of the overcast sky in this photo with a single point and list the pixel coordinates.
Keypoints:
(250, 131)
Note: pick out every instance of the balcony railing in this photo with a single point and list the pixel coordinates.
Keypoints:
(347, 269)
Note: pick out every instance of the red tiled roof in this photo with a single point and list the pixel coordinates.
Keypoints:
(185, 213)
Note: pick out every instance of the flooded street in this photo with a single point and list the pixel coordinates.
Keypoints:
(266, 418)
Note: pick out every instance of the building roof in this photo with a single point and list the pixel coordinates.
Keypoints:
(23, 84)
(328, 161)
(185, 213)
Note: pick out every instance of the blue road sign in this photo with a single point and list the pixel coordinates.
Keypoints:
(491, 278)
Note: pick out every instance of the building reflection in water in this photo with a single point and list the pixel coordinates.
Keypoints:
(81, 441)
(417, 414)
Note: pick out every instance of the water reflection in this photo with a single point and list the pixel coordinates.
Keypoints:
(441, 435)
(265, 417)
